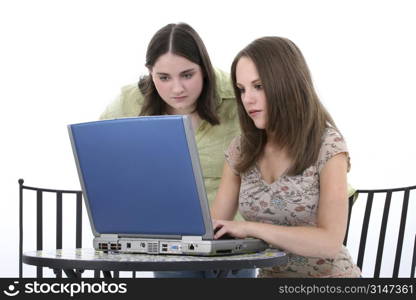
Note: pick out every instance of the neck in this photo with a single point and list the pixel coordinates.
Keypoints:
(181, 111)
(272, 143)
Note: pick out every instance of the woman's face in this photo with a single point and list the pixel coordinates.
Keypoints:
(252, 93)
(178, 81)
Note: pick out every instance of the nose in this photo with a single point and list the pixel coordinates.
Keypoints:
(177, 87)
(248, 97)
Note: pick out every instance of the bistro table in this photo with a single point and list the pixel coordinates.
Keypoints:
(74, 261)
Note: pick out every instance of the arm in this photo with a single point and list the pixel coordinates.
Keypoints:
(324, 239)
(226, 202)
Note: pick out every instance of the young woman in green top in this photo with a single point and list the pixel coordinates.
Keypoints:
(181, 80)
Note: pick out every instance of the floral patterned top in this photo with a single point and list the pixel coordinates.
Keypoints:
(292, 201)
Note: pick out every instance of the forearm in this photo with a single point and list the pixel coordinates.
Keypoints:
(300, 240)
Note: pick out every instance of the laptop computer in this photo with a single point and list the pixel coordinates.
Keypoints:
(144, 190)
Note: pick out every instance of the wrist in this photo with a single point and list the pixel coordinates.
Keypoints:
(249, 229)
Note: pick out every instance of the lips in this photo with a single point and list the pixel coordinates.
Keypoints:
(180, 98)
(254, 112)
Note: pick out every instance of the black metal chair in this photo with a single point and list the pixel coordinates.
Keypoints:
(369, 196)
(60, 196)
(39, 221)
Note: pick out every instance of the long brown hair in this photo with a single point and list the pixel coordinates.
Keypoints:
(296, 118)
(180, 39)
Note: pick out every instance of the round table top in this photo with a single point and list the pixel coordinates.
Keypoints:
(90, 259)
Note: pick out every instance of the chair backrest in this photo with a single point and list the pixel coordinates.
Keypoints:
(60, 195)
(385, 195)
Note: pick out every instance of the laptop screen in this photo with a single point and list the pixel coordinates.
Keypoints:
(138, 177)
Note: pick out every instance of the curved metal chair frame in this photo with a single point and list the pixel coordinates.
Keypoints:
(364, 231)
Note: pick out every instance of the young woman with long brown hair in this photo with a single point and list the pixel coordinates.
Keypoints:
(287, 172)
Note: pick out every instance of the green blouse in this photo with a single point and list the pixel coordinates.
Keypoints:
(212, 141)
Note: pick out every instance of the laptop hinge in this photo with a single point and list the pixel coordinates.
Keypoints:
(192, 238)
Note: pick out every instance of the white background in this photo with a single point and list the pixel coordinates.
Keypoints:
(62, 62)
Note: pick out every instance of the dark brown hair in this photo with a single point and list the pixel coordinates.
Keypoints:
(296, 118)
(180, 39)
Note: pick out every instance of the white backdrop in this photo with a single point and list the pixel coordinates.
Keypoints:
(62, 62)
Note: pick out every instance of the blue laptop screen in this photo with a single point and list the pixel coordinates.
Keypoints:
(138, 177)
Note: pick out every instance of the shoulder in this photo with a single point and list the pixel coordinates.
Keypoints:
(131, 94)
(232, 154)
(131, 89)
(227, 104)
(224, 85)
(333, 143)
(332, 138)
(127, 104)
(234, 149)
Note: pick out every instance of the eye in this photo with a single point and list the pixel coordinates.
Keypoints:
(163, 78)
(188, 75)
(258, 86)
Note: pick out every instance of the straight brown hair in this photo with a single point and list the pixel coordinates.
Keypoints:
(297, 119)
(180, 39)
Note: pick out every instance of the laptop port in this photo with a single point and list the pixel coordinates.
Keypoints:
(115, 246)
(128, 245)
(225, 251)
(103, 246)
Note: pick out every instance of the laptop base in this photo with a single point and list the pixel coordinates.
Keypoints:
(179, 247)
